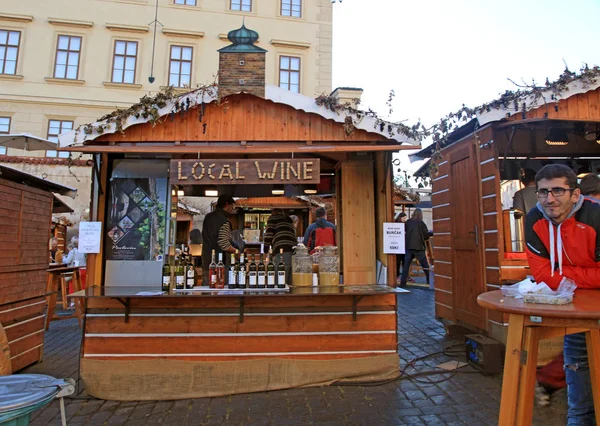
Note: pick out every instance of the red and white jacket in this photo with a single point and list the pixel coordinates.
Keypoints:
(570, 249)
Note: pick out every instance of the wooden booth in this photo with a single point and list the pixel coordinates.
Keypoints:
(185, 344)
(477, 246)
(26, 206)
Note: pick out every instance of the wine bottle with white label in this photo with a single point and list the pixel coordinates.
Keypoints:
(241, 271)
(270, 271)
(179, 274)
(212, 272)
(166, 277)
(262, 273)
(281, 271)
(232, 282)
(252, 274)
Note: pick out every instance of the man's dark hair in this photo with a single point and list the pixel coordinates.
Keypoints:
(320, 212)
(223, 200)
(528, 176)
(590, 185)
(195, 236)
(554, 171)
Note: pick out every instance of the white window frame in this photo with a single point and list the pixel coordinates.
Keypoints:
(54, 136)
(289, 71)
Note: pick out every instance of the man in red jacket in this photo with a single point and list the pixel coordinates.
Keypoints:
(563, 240)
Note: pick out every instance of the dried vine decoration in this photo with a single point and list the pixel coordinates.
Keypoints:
(149, 108)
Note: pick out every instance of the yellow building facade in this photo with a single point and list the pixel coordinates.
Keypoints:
(67, 62)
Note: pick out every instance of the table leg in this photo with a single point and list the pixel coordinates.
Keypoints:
(512, 364)
(592, 338)
(77, 287)
(527, 377)
(52, 284)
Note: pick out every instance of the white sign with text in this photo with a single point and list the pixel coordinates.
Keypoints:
(393, 238)
(90, 234)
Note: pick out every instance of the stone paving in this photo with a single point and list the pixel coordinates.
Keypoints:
(465, 398)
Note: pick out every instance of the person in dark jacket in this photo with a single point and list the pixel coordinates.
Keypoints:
(400, 257)
(416, 233)
(216, 235)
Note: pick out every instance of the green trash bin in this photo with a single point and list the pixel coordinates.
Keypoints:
(22, 394)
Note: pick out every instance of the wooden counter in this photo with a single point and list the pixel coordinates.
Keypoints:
(309, 335)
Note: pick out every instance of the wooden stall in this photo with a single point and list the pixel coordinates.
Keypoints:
(216, 343)
(470, 231)
(26, 205)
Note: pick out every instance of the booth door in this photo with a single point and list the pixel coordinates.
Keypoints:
(467, 237)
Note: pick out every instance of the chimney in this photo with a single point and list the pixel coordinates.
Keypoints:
(242, 64)
(348, 95)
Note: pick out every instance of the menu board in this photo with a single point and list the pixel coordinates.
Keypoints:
(90, 235)
(136, 219)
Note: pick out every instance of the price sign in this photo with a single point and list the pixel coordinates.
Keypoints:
(89, 237)
(393, 238)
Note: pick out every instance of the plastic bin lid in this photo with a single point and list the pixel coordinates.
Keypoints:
(22, 390)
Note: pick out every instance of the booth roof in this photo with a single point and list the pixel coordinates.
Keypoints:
(26, 179)
(272, 93)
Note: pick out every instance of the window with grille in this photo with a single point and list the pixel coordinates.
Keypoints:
(186, 2)
(180, 66)
(124, 61)
(4, 130)
(68, 53)
(289, 73)
(9, 51)
(291, 8)
(242, 5)
(55, 128)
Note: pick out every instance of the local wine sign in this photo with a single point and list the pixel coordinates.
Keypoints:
(245, 171)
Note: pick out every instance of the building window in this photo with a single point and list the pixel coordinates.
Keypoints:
(4, 130)
(291, 8)
(289, 73)
(55, 128)
(9, 51)
(124, 62)
(242, 5)
(186, 2)
(180, 66)
(68, 52)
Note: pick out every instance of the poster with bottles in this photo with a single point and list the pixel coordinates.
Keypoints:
(136, 219)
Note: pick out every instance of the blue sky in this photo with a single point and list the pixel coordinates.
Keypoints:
(439, 54)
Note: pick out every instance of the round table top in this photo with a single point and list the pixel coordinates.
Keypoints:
(22, 390)
(586, 305)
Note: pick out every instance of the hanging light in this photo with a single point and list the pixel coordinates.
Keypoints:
(557, 137)
(211, 191)
(310, 189)
(180, 193)
(278, 190)
(583, 171)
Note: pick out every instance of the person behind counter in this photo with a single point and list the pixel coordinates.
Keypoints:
(321, 232)
(56, 254)
(566, 216)
(525, 199)
(280, 234)
(590, 187)
(416, 233)
(402, 217)
(216, 235)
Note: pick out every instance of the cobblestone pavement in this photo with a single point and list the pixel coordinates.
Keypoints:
(465, 398)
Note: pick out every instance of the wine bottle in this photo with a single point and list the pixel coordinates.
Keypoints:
(262, 273)
(270, 271)
(179, 274)
(220, 272)
(212, 272)
(241, 270)
(232, 272)
(281, 271)
(166, 276)
(190, 275)
(252, 273)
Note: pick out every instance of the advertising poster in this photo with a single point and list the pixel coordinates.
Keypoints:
(136, 219)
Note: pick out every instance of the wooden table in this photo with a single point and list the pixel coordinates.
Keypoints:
(56, 276)
(528, 324)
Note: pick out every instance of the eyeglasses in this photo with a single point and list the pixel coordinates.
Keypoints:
(556, 192)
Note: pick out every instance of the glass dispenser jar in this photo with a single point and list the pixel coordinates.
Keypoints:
(329, 267)
(301, 267)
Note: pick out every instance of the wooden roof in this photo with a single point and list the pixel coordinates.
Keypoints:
(243, 124)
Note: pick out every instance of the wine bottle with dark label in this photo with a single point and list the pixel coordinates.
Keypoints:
(281, 271)
(190, 276)
(232, 282)
(252, 273)
(166, 276)
(270, 271)
(212, 272)
(262, 273)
